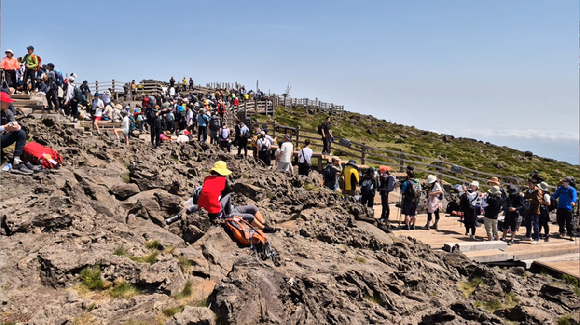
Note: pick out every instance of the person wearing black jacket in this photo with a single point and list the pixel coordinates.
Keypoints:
(515, 206)
(492, 205)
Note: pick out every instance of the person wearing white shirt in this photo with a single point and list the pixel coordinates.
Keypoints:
(98, 106)
(284, 157)
(263, 146)
(545, 211)
(304, 159)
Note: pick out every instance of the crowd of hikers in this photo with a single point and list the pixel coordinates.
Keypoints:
(178, 111)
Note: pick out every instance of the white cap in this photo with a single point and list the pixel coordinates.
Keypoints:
(71, 79)
(475, 183)
(9, 50)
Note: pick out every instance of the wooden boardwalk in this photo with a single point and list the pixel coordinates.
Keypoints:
(561, 256)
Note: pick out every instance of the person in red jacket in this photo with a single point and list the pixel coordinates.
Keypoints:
(215, 196)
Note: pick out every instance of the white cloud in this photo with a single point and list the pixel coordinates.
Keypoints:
(521, 134)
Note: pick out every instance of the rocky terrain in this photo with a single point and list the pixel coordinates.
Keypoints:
(87, 244)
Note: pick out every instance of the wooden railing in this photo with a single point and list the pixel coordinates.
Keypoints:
(309, 103)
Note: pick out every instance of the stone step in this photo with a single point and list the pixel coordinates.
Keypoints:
(540, 253)
(560, 258)
(475, 246)
(489, 256)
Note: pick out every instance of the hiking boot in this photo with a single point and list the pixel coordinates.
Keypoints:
(547, 239)
(472, 237)
(21, 169)
(406, 227)
(511, 242)
(268, 229)
(413, 227)
(435, 226)
(502, 239)
(34, 168)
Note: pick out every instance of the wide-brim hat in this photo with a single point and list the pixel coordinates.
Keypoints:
(221, 168)
(474, 183)
(431, 179)
(543, 186)
(107, 92)
(494, 180)
(352, 163)
(288, 137)
(513, 189)
(533, 181)
(9, 51)
(495, 190)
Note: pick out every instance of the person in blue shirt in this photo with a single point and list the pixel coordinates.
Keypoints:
(567, 195)
(202, 120)
(243, 139)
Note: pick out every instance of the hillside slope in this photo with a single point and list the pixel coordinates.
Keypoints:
(466, 152)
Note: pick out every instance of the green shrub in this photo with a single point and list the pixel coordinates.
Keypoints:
(169, 312)
(151, 258)
(121, 251)
(124, 290)
(91, 278)
(186, 292)
(153, 244)
(468, 288)
(126, 178)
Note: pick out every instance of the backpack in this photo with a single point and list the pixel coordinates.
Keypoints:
(546, 209)
(224, 134)
(221, 108)
(328, 173)
(245, 234)
(248, 134)
(414, 190)
(38, 58)
(38, 154)
(214, 124)
(320, 127)
(264, 145)
(526, 211)
(367, 187)
(59, 77)
(307, 162)
(78, 95)
(391, 181)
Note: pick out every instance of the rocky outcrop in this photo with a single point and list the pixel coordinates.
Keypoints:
(104, 210)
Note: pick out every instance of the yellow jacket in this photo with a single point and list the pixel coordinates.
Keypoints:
(349, 171)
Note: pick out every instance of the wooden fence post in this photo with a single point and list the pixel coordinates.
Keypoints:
(297, 136)
(441, 169)
(363, 153)
(96, 86)
(401, 162)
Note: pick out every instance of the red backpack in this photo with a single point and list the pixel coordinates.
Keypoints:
(40, 155)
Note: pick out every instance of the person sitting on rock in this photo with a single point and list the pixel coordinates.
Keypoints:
(12, 133)
(215, 199)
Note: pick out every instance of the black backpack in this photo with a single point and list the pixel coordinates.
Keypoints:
(367, 186)
(328, 173)
(214, 124)
(320, 128)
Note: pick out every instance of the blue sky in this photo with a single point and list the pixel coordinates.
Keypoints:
(500, 71)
